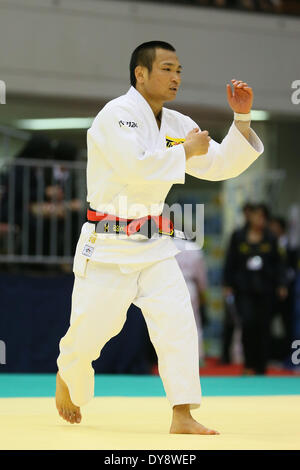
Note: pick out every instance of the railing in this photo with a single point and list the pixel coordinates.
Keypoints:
(42, 209)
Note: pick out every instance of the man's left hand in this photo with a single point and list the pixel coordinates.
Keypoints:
(241, 98)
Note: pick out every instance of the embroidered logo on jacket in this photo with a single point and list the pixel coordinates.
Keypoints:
(171, 141)
(128, 123)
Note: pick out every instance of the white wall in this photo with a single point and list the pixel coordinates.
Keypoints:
(82, 48)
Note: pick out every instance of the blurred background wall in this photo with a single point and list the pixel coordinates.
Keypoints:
(80, 49)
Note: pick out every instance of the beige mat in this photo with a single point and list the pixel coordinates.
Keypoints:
(267, 422)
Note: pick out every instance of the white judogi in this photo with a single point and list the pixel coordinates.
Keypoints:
(131, 167)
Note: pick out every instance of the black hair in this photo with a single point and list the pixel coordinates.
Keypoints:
(264, 208)
(144, 55)
(248, 206)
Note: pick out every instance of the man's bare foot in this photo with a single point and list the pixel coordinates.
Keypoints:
(66, 409)
(184, 423)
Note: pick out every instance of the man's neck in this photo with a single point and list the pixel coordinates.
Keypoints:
(155, 105)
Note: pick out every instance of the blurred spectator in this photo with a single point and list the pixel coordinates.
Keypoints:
(60, 184)
(254, 275)
(220, 3)
(284, 307)
(192, 265)
(267, 6)
(38, 147)
(231, 319)
(62, 200)
(247, 211)
(251, 5)
(289, 6)
(21, 189)
(39, 205)
(203, 2)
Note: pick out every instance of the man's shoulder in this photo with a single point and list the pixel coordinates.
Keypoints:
(120, 102)
(239, 233)
(173, 114)
(177, 117)
(119, 106)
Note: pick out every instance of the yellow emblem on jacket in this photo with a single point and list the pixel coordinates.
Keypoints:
(171, 141)
(265, 247)
(244, 247)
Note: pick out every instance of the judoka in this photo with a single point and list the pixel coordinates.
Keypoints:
(137, 149)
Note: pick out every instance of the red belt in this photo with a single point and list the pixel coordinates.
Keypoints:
(165, 226)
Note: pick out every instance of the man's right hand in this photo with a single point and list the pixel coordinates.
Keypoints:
(196, 143)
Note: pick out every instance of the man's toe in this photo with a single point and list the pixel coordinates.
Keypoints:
(212, 431)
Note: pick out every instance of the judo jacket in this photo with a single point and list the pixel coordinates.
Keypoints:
(132, 165)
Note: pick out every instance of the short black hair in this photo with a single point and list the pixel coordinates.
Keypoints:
(264, 209)
(248, 206)
(144, 55)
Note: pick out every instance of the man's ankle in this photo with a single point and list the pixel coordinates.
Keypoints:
(182, 410)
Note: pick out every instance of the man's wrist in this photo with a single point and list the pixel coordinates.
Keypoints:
(245, 117)
(243, 127)
(188, 150)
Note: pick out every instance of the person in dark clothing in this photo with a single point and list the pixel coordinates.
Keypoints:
(231, 320)
(255, 275)
(61, 192)
(247, 211)
(23, 187)
(284, 307)
(61, 209)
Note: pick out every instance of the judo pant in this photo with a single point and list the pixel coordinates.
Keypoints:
(102, 294)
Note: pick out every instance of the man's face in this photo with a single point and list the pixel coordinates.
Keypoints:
(163, 82)
(258, 219)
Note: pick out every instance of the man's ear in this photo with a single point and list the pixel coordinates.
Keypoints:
(140, 74)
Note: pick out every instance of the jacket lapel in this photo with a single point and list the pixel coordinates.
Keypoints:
(156, 135)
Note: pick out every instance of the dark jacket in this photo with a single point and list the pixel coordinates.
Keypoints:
(254, 268)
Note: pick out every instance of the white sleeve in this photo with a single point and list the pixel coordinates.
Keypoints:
(228, 159)
(124, 147)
